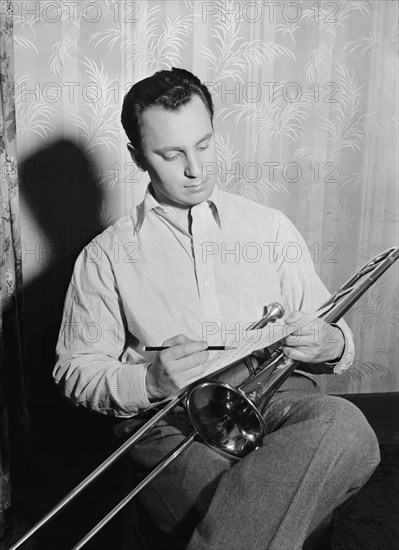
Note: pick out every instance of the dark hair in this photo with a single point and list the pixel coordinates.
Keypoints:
(170, 89)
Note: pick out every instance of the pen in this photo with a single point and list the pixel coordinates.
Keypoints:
(210, 348)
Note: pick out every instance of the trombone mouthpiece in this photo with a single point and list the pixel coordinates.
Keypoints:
(274, 311)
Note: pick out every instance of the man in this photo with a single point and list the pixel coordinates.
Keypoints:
(173, 272)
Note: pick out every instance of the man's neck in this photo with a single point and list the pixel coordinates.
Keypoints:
(183, 215)
(184, 219)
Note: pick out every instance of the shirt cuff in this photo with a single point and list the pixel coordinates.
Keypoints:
(348, 354)
(132, 387)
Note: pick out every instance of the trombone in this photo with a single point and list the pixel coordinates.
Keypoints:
(227, 408)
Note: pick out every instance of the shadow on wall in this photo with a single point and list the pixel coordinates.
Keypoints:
(62, 443)
(64, 196)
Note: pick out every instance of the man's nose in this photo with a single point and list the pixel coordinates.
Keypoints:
(193, 166)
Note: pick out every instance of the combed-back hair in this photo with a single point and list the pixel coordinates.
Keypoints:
(170, 89)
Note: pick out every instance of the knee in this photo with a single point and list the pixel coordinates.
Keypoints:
(353, 436)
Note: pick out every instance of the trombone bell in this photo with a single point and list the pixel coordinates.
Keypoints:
(226, 419)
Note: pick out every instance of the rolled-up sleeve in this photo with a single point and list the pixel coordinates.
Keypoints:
(303, 290)
(92, 367)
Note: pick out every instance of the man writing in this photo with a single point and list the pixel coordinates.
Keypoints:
(153, 278)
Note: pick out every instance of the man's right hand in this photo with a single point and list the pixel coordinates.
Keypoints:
(175, 367)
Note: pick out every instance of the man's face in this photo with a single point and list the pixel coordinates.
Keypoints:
(177, 145)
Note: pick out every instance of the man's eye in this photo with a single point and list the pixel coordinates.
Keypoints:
(203, 147)
(172, 157)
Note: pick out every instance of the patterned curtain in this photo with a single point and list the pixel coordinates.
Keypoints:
(306, 97)
(13, 407)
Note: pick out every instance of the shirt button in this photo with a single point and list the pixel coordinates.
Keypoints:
(207, 285)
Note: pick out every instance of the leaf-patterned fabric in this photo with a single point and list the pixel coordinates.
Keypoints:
(306, 121)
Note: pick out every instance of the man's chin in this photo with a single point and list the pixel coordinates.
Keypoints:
(194, 194)
(189, 195)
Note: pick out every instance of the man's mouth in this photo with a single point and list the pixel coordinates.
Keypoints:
(194, 186)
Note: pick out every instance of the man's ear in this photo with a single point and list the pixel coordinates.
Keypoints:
(137, 157)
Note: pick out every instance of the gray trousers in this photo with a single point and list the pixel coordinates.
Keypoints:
(322, 453)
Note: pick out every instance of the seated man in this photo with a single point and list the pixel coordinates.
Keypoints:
(187, 268)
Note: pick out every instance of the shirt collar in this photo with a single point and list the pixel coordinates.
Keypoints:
(215, 200)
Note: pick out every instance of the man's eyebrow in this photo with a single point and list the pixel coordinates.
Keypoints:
(178, 148)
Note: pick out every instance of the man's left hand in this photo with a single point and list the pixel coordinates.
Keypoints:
(317, 342)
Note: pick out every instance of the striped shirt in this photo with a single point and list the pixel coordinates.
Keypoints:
(146, 279)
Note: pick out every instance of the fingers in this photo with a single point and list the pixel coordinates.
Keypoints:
(177, 366)
(297, 354)
(302, 339)
(183, 350)
(181, 346)
(300, 317)
(178, 373)
(185, 355)
(193, 361)
(305, 323)
(304, 343)
(309, 327)
(296, 316)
